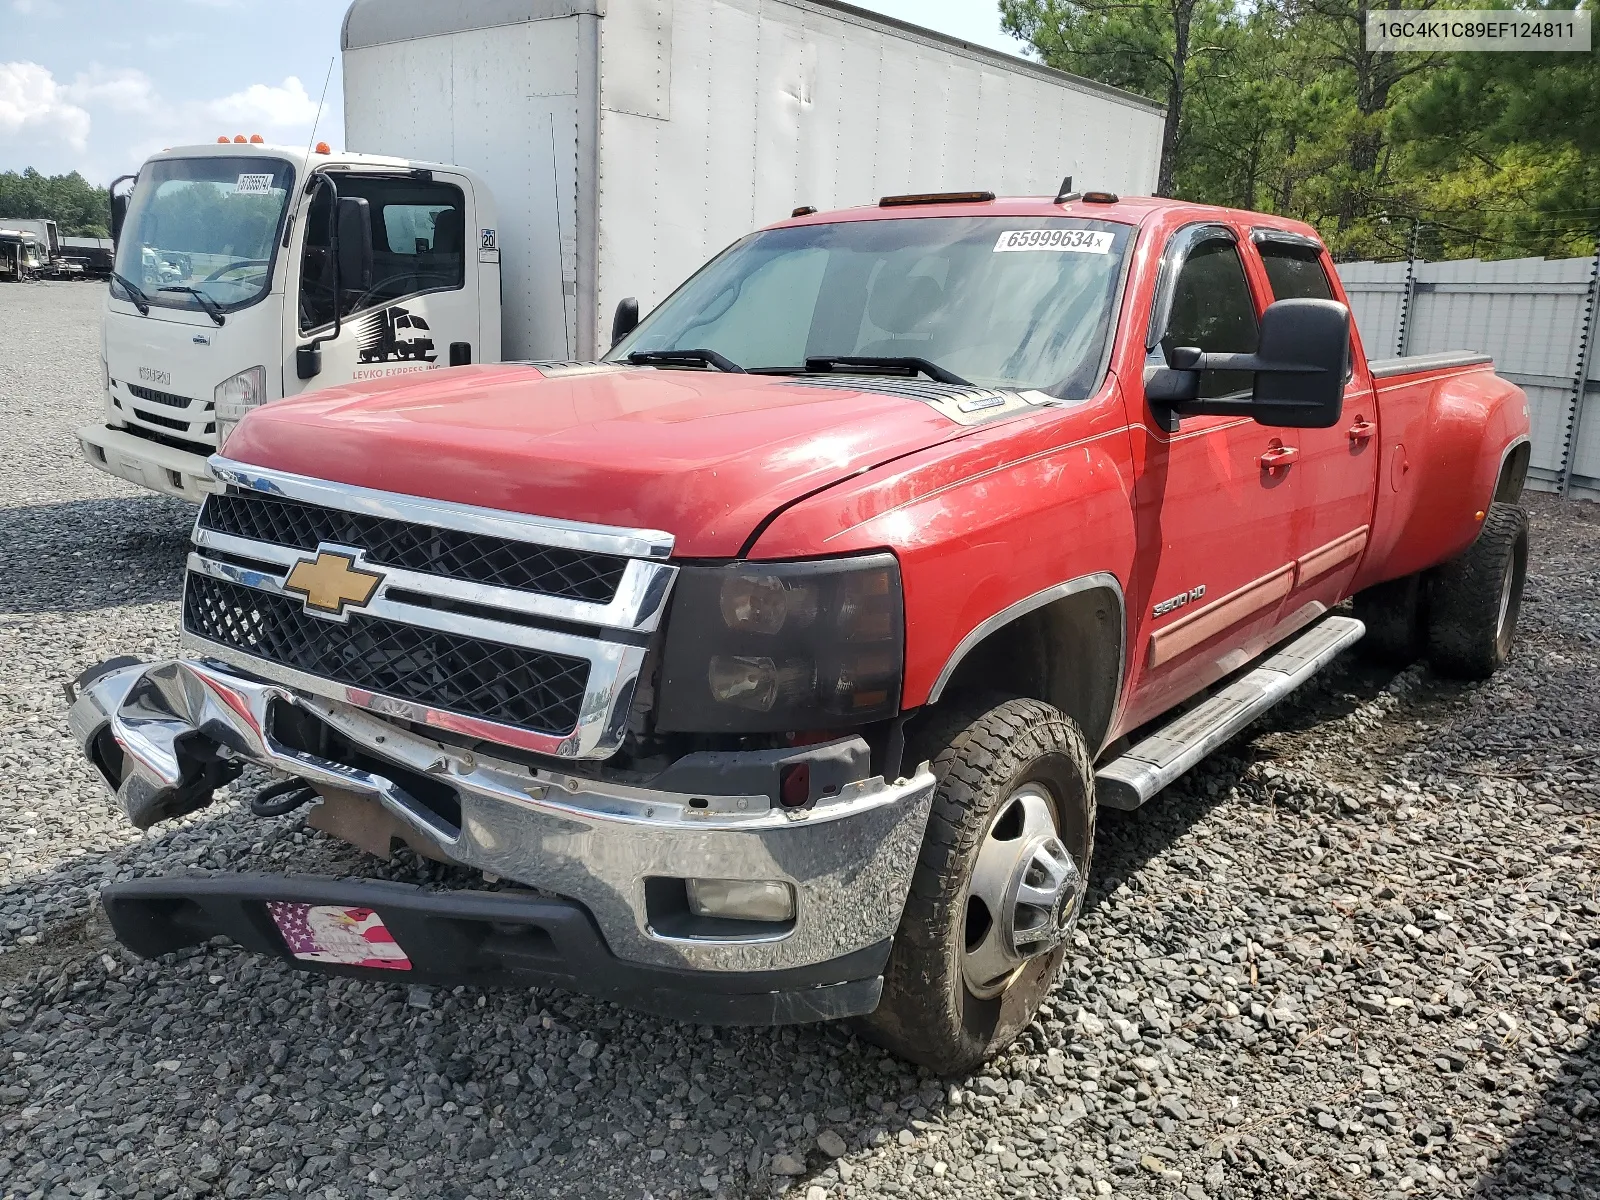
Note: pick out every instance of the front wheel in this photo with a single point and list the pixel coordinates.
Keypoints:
(998, 886)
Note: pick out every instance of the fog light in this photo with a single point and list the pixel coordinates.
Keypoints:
(741, 899)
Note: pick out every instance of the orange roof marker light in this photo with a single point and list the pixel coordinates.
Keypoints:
(322, 148)
(223, 140)
(239, 137)
(256, 139)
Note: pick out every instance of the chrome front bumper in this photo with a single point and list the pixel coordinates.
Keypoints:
(163, 733)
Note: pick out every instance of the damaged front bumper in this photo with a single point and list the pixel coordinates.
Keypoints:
(615, 857)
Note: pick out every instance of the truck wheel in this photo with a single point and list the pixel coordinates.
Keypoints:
(1474, 600)
(1392, 613)
(998, 885)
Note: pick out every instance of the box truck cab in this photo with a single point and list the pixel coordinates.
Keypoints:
(245, 273)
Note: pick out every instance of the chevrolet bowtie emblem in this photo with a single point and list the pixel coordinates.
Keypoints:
(330, 581)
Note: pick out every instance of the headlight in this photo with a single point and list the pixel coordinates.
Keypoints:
(235, 397)
(768, 647)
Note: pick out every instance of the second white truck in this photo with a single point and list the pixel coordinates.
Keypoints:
(612, 146)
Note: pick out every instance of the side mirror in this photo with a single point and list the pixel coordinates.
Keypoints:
(353, 237)
(1305, 350)
(626, 320)
(119, 214)
(308, 361)
(1299, 370)
(119, 206)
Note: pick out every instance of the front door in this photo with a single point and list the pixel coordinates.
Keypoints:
(422, 297)
(1214, 511)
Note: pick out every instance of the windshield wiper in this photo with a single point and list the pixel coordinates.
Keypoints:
(140, 300)
(684, 358)
(890, 364)
(213, 309)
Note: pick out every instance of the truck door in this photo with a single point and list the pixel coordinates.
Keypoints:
(1214, 561)
(1334, 477)
(423, 296)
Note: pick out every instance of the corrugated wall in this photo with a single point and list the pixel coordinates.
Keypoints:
(1535, 316)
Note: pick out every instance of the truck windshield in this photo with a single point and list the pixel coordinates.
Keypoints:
(1014, 302)
(210, 224)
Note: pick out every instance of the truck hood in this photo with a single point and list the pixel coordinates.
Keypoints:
(701, 455)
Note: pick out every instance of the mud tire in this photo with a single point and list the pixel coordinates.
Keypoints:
(981, 751)
(1474, 600)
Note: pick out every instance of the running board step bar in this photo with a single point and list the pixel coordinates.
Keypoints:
(1136, 776)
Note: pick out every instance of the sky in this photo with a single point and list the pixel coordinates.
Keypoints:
(95, 86)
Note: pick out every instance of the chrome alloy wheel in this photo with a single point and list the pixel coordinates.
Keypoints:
(1024, 895)
(1508, 587)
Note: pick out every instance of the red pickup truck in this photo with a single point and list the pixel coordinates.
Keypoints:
(772, 669)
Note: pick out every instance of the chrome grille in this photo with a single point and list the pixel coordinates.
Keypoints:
(524, 630)
(437, 551)
(509, 685)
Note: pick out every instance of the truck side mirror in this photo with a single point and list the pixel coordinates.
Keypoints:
(626, 320)
(119, 206)
(353, 233)
(119, 214)
(1299, 370)
(1305, 347)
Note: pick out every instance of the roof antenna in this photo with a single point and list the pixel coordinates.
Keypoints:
(1066, 195)
(317, 120)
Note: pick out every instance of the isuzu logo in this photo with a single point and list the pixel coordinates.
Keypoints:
(151, 375)
(331, 582)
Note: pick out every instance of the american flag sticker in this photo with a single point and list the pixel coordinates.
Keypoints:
(331, 933)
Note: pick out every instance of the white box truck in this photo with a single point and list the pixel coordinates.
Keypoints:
(525, 165)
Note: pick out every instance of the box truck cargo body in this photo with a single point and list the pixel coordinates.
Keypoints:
(628, 141)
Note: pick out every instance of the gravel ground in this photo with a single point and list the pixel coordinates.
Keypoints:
(1354, 955)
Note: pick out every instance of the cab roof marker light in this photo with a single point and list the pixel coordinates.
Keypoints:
(256, 139)
(936, 198)
(1100, 197)
(805, 210)
(239, 138)
(322, 148)
(223, 140)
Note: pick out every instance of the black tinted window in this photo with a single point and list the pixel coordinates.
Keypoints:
(1212, 309)
(1295, 274)
(418, 245)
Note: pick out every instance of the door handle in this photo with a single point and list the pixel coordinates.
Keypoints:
(1362, 431)
(1278, 458)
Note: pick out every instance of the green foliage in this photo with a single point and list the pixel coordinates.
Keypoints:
(78, 208)
(1278, 105)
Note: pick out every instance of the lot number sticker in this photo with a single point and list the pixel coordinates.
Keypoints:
(253, 185)
(1071, 241)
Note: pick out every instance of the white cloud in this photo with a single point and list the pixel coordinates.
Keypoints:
(261, 105)
(125, 89)
(31, 101)
(36, 8)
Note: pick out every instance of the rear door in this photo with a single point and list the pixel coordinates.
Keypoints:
(1215, 526)
(1334, 478)
(423, 297)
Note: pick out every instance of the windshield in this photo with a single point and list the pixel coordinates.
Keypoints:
(210, 224)
(1014, 302)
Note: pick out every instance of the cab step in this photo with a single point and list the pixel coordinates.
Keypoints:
(1129, 780)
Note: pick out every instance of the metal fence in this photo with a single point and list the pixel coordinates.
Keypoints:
(1538, 319)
